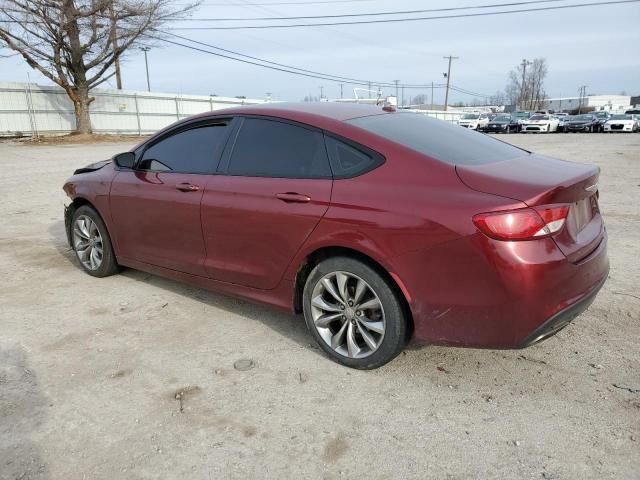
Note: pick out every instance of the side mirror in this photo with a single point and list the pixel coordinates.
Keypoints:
(125, 160)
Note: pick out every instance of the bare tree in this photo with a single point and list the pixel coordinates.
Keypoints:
(74, 43)
(530, 94)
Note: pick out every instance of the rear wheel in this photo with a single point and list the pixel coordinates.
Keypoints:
(92, 243)
(354, 314)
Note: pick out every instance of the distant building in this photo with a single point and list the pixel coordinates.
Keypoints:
(595, 102)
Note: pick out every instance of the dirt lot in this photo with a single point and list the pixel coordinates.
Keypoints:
(133, 376)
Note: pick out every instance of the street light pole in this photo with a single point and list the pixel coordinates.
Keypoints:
(146, 64)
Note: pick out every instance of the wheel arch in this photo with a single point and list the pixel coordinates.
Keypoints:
(322, 253)
(80, 201)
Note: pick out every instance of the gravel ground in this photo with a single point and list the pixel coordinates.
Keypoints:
(133, 376)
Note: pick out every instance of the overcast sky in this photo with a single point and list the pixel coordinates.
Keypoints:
(596, 46)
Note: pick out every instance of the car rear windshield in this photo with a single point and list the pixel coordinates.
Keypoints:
(438, 139)
(539, 117)
(470, 116)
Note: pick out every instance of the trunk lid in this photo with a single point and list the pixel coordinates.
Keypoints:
(538, 180)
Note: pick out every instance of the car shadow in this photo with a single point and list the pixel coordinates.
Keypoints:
(287, 324)
(23, 408)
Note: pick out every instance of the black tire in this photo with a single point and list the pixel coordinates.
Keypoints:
(395, 318)
(108, 264)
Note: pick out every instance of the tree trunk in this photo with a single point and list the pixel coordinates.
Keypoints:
(81, 102)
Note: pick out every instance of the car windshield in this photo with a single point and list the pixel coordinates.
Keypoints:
(601, 114)
(502, 118)
(470, 116)
(438, 139)
(584, 118)
(540, 117)
(621, 117)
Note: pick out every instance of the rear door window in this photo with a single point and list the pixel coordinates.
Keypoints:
(438, 139)
(196, 150)
(270, 148)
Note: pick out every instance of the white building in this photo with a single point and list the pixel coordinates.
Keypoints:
(597, 102)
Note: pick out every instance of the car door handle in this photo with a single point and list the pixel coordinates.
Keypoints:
(187, 187)
(292, 197)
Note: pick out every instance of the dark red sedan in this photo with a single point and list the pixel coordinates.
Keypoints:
(380, 226)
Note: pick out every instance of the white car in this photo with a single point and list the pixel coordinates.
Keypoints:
(621, 123)
(474, 121)
(540, 123)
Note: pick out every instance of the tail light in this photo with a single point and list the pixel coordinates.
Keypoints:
(524, 223)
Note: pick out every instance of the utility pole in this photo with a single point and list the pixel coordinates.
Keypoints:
(341, 85)
(146, 64)
(321, 92)
(402, 96)
(446, 95)
(431, 95)
(583, 95)
(114, 46)
(524, 64)
(396, 82)
(369, 88)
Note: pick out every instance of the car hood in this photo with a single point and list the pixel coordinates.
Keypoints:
(624, 122)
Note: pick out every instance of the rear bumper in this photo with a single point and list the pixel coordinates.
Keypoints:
(482, 293)
(561, 319)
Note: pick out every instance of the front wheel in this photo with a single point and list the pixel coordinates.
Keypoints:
(354, 314)
(92, 243)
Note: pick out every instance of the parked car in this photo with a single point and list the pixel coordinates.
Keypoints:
(473, 121)
(563, 118)
(540, 123)
(602, 117)
(503, 124)
(380, 226)
(582, 123)
(622, 123)
(521, 116)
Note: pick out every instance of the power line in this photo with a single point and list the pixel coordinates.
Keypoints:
(415, 19)
(350, 15)
(337, 78)
(325, 76)
(286, 3)
(291, 70)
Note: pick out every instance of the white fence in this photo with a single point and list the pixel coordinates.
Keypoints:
(26, 109)
(448, 116)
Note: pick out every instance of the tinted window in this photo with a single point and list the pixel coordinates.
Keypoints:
(438, 139)
(267, 148)
(191, 151)
(349, 161)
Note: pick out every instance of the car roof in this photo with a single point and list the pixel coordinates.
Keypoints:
(324, 115)
(340, 111)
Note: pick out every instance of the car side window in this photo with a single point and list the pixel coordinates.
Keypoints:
(196, 150)
(269, 148)
(350, 161)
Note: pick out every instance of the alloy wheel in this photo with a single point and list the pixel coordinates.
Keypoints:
(348, 314)
(87, 242)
